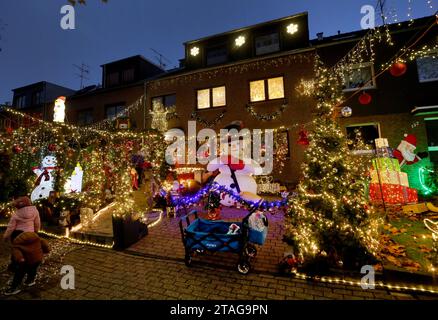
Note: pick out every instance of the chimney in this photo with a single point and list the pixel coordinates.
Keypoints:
(320, 36)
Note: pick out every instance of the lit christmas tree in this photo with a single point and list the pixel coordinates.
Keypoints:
(330, 221)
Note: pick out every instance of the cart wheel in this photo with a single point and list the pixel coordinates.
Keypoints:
(243, 267)
(188, 260)
(251, 251)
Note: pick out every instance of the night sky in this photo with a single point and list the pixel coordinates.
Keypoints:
(35, 48)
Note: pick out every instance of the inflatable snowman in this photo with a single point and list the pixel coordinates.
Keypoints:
(236, 175)
(45, 180)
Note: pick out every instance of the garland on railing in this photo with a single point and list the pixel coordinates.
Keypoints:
(215, 187)
(206, 123)
(266, 117)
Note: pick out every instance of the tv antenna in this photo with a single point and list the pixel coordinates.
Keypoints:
(84, 70)
(161, 59)
(381, 5)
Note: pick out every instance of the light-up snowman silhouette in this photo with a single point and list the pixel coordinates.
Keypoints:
(236, 175)
(45, 180)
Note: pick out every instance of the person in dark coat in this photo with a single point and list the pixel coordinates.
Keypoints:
(27, 252)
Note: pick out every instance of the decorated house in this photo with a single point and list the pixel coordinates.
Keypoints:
(256, 76)
(400, 104)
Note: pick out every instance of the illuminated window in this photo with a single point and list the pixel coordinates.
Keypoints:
(361, 76)
(267, 89)
(257, 89)
(275, 88)
(219, 99)
(428, 68)
(212, 97)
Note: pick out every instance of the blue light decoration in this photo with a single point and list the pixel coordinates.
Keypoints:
(215, 187)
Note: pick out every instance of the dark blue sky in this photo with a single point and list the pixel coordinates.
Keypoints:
(35, 48)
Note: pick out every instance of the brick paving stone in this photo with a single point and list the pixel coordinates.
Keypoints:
(126, 276)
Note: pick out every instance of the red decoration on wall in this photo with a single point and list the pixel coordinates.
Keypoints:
(17, 149)
(398, 69)
(52, 147)
(9, 130)
(304, 138)
(365, 98)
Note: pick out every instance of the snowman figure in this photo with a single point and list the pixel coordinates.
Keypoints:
(236, 175)
(59, 110)
(45, 180)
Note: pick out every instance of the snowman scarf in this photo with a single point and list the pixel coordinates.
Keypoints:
(45, 174)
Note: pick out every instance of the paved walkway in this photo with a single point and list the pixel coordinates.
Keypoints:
(164, 241)
(106, 274)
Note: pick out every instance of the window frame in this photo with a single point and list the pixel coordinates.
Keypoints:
(20, 101)
(264, 35)
(125, 72)
(373, 85)
(220, 46)
(433, 52)
(356, 125)
(210, 90)
(108, 106)
(431, 149)
(266, 87)
(90, 110)
(163, 100)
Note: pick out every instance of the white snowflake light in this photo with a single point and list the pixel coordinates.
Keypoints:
(292, 28)
(194, 51)
(240, 41)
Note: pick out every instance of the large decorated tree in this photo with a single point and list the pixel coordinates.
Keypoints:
(330, 221)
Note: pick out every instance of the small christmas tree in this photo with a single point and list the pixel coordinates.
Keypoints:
(330, 220)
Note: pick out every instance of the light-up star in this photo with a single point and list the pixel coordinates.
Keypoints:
(194, 51)
(240, 41)
(292, 28)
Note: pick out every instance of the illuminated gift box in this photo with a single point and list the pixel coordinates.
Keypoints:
(383, 164)
(390, 177)
(392, 194)
(381, 143)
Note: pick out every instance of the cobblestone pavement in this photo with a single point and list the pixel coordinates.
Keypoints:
(107, 274)
(164, 241)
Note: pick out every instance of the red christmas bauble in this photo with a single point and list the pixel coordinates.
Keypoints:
(9, 130)
(365, 98)
(303, 139)
(17, 149)
(52, 147)
(398, 69)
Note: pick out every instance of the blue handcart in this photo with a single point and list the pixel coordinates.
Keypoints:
(200, 235)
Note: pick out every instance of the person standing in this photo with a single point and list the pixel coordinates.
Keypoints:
(27, 252)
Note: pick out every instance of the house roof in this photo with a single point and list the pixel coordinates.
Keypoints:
(247, 28)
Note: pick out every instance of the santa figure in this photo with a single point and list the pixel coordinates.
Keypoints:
(405, 152)
(59, 110)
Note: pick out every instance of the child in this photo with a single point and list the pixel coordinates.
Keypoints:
(25, 219)
(27, 253)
